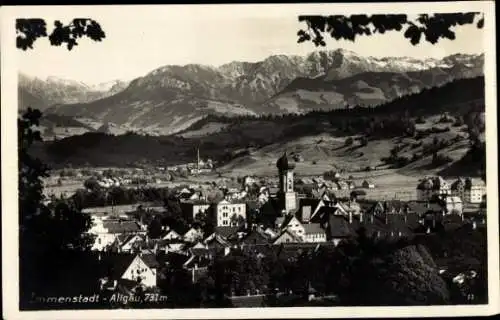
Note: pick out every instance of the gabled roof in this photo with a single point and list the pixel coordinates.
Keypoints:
(215, 240)
(286, 220)
(338, 227)
(313, 228)
(114, 265)
(121, 226)
(198, 245)
(140, 238)
(226, 231)
(294, 236)
(421, 207)
(124, 238)
(324, 212)
(256, 236)
(171, 233)
(149, 260)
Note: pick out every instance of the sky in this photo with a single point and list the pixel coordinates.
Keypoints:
(141, 39)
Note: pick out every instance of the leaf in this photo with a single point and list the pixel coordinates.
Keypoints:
(480, 23)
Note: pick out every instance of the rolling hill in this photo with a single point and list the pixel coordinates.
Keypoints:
(171, 98)
(251, 144)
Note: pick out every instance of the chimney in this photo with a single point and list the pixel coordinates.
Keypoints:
(361, 215)
(350, 216)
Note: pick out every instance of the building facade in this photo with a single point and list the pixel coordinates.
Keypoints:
(475, 190)
(229, 213)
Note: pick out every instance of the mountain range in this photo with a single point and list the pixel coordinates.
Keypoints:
(171, 98)
(42, 94)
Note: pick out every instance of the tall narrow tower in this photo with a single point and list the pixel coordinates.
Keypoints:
(286, 195)
(198, 160)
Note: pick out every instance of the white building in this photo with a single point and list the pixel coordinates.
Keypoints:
(475, 190)
(227, 212)
(314, 233)
(141, 269)
(106, 231)
(290, 223)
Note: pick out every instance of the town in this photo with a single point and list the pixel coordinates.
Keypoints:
(190, 226)
(315, 163)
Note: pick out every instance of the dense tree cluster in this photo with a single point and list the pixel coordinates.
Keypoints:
(29, 30)
(46, 233)
(361, 271)
(431, 27)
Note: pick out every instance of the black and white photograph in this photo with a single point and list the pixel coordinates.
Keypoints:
(201, 160)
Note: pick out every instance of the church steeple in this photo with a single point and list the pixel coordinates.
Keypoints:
(283, 164)
(286, 195)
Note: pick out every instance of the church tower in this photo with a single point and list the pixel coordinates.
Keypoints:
(286, 195)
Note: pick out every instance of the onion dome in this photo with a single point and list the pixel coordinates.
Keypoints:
(283, 163)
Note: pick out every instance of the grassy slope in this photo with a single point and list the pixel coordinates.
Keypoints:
(312, 135)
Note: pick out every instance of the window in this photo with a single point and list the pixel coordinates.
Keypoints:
(234, 209)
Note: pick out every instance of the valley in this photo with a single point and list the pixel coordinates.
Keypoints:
(369, 143)
(171, 98)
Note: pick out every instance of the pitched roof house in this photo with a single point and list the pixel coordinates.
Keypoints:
(314, 233)
(287, 236)
(140, 268)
